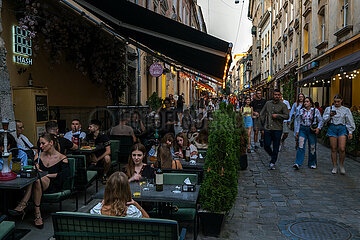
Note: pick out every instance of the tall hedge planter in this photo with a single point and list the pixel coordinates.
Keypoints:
(219, 188)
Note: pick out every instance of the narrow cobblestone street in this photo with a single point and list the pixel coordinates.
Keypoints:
(269, 201)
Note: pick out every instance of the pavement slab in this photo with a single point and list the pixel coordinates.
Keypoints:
(286, 196)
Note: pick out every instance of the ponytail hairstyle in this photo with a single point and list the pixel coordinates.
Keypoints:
(51, 137)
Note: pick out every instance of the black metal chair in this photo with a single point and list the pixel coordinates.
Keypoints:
(125, 144)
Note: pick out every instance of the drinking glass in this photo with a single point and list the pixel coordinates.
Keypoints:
(92, 143)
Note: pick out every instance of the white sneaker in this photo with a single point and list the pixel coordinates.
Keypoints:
(296, 166)
(334, 170)
(272, 166)
(342, 170)
(313, 166)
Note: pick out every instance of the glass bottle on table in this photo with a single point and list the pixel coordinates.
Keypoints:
(159, 178)
(187, 153)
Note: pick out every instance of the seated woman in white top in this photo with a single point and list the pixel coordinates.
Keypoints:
(117, 199)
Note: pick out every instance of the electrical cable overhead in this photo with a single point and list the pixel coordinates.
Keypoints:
(237, 32)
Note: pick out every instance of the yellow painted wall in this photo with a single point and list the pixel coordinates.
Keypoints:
(66, 85)
(335, 88)
(355, 91)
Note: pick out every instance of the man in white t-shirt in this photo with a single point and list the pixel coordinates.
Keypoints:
(75, 130)
(22, 141)
(286, 125)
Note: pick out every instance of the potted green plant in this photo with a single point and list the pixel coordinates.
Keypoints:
(219, 188)
(241, 142)
(154, 101)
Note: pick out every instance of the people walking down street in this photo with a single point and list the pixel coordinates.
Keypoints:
(257, 104)
(286, 125)
(247, 112)
(317, 105)
(341, 125)
(309, 123)
(295, 111)
(273, 115)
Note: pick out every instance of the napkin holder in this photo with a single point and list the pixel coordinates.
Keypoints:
(188, 188)
(28, 173)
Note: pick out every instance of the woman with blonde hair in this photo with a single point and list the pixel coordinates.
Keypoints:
(117, 199)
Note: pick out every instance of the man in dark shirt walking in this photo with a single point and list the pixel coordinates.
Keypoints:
(273, 115)
(257, 104)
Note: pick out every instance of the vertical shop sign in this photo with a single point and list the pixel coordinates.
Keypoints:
(41, 108)
(22, 46)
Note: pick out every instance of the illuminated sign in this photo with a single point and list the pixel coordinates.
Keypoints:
(22, 46)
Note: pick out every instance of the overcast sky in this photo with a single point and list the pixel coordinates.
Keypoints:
(222, 19)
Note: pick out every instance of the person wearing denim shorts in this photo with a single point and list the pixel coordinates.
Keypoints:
(341, 125)
(309, 123)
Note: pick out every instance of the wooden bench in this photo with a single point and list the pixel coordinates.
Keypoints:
(70, 225)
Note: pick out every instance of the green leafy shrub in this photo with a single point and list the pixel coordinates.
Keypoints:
(352, 146)
(219, 188)
(154, 101)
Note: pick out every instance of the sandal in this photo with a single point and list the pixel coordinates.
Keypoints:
(38, 219)
(19, 210)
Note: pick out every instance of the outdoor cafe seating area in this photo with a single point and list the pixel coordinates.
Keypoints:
(173, 212)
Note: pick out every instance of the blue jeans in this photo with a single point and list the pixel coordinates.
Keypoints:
(305, 134)
(274, 137)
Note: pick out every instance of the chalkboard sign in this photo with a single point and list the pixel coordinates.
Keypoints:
(41, 108)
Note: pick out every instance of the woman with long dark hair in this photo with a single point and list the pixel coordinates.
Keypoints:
(117, 199)
(295, 111)
(58, 170)
(136, 167)
(341, 126)
(309, 123)
(181, 144)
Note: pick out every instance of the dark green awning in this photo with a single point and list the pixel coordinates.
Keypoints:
(184, 45)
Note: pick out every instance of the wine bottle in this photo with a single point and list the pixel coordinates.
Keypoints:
(159, 178)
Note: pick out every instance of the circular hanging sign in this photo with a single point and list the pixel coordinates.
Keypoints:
(156, 70)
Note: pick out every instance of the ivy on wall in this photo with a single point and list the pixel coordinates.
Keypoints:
(66, 36)
(288, 88)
